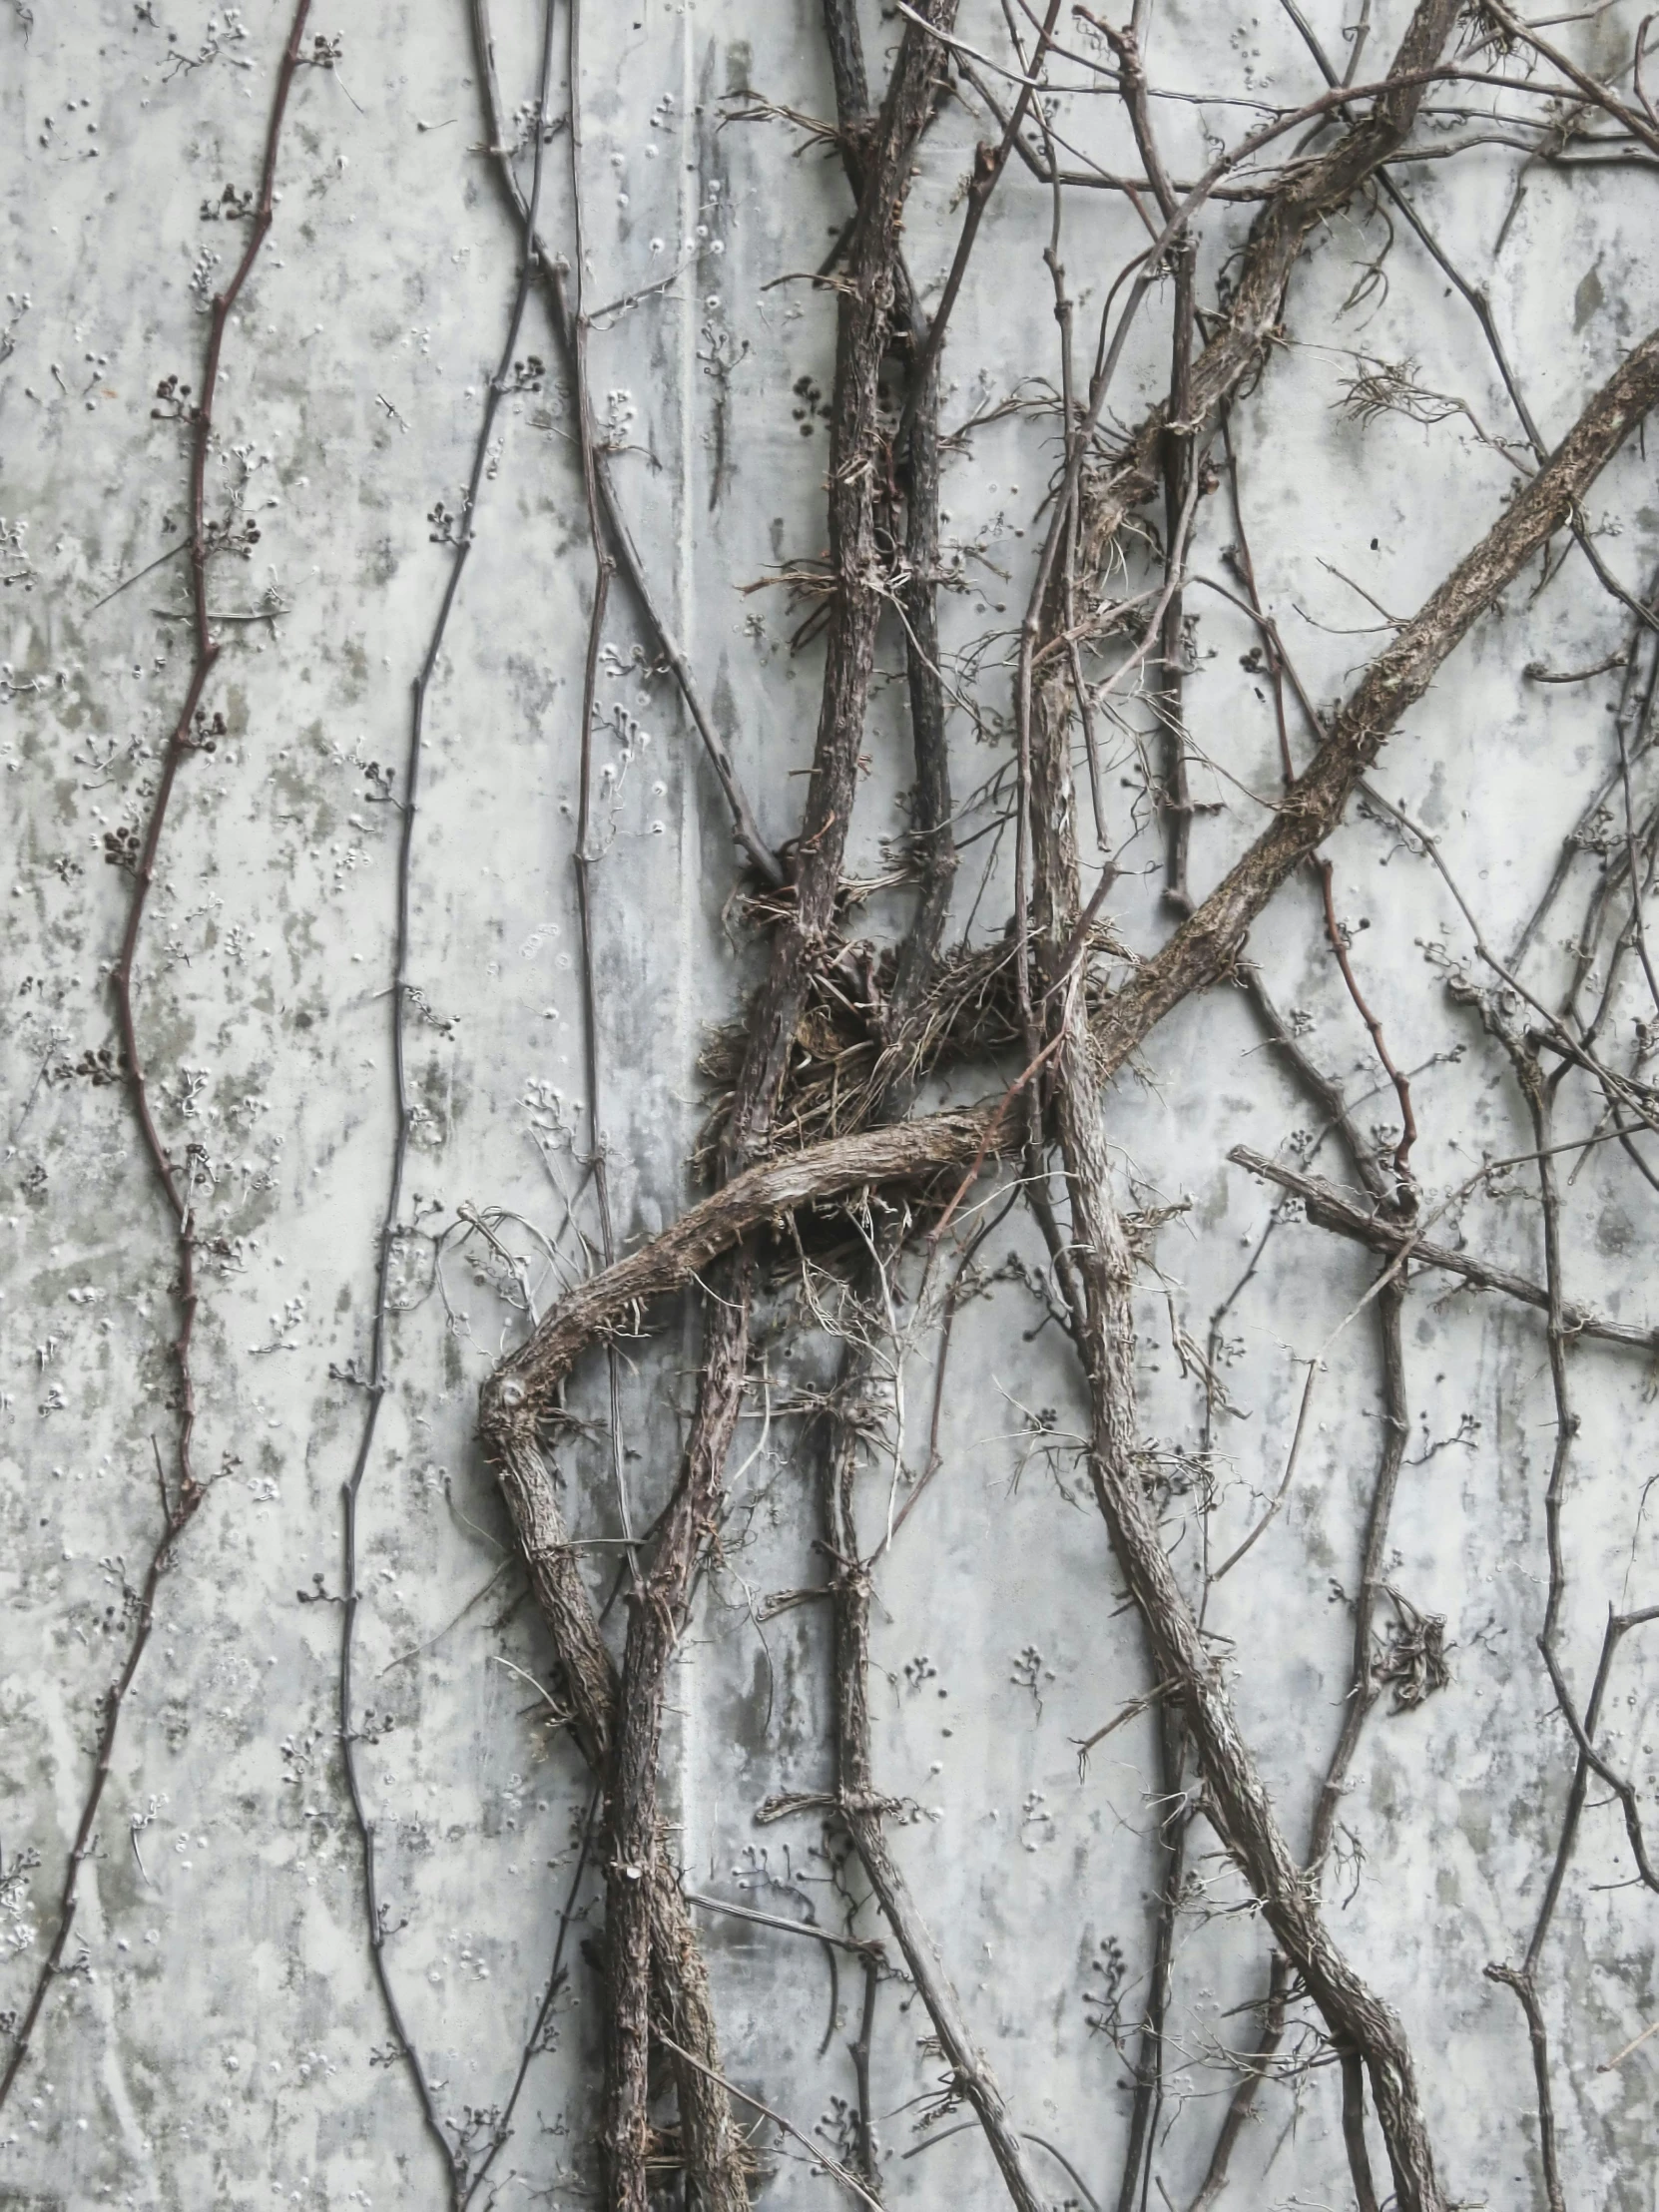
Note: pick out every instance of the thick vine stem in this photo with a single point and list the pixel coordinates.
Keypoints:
(1329, 1208)
(1308, 197)
(681, 2002)
(634, 1866)
(179, 1509)
(857, 444)
(863, 317)
(859, 1801)
(521, 1396)
(1102, 1322)
(1389, 1305)
(1204, 947)
(679, 1994)
(1363, 1688)
(582, 855)
(931, 834)
(1200, 952)
(1236, 1801)
(1241, 2102)
(1539, 1092)
(1363, 1685)
(522, 1391)
(517, 1400)
(860, 1806)
(1180, 459)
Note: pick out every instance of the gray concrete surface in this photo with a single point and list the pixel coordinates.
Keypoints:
(218, 2040)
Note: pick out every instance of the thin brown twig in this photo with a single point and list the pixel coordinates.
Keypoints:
(554, 275)
(1329, 1208)
(460, 541)
(816, 2151)
(1397, 1076)
(989, 165)
(177, 1192)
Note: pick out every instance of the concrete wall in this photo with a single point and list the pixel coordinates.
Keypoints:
(222, 2039)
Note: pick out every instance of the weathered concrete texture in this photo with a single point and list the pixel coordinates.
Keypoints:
(221, 2039)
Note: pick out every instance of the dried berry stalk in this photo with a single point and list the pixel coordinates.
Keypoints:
(180, 1501)
(458, 535)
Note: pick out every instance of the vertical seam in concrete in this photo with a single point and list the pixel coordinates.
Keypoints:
(691, 843)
